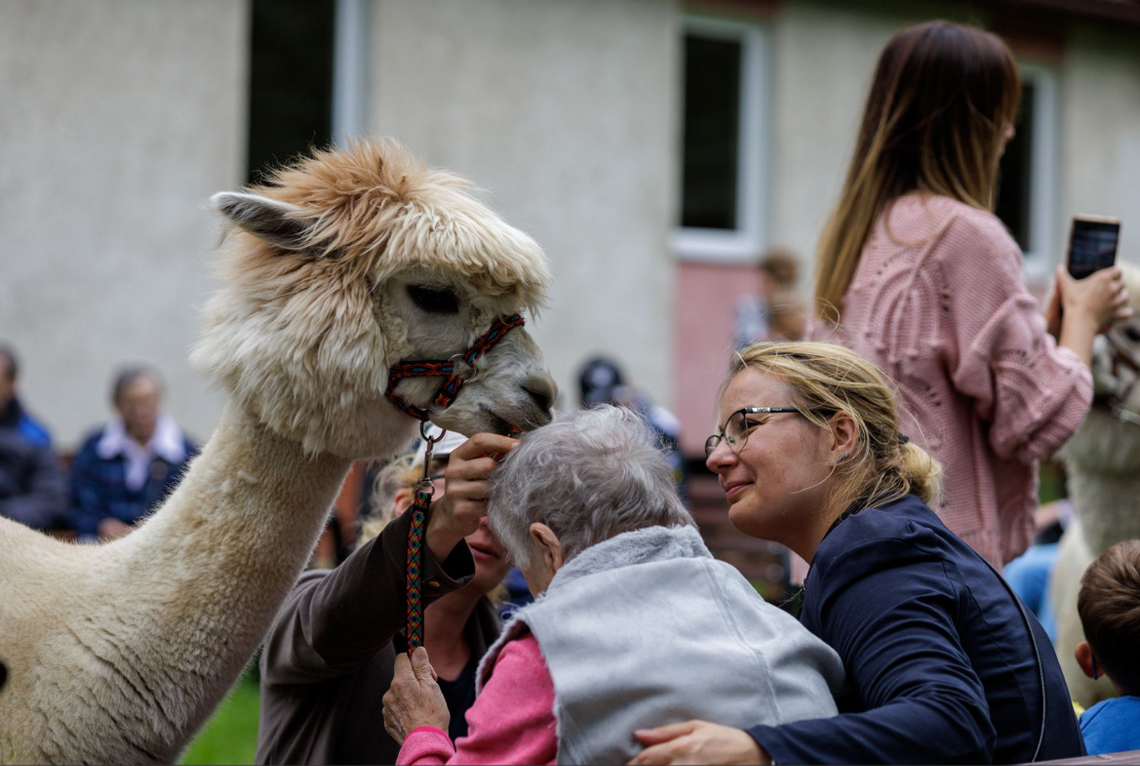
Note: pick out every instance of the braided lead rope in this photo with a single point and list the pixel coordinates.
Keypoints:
(419, 511)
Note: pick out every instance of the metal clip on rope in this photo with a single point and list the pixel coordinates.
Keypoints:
(423, 493)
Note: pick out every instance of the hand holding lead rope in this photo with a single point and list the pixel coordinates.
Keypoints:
(457, 512)
(419, 511)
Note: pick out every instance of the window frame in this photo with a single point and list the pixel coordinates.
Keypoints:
(1044, 250)
(745, 243)
(352, 30)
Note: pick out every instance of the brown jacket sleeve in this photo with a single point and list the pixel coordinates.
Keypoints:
(335, 619)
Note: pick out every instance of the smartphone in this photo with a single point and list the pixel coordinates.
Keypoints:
(1092, 244)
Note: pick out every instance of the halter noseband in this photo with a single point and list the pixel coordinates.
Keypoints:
(456, 369)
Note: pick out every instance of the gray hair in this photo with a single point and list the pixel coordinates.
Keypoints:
(589, 476)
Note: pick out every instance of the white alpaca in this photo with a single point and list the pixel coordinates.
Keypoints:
(1103, 465)
(342, 266)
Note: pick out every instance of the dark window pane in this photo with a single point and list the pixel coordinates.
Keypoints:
(711, 133)
(290, 80)
(1016, 182)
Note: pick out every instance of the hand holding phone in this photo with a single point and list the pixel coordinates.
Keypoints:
(1092, 244)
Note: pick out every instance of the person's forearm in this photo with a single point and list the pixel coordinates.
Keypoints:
(1077, 333)
(426, 746)
(360, 605)
(934, 730)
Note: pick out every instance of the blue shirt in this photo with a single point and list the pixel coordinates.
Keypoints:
(1112, 726)
(941, 666)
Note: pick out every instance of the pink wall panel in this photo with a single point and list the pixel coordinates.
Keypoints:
(706, 301)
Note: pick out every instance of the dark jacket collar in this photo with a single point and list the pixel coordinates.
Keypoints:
(10, 415)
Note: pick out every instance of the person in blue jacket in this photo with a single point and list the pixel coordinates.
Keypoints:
(32, 489)
(130, 465)
(944, 663)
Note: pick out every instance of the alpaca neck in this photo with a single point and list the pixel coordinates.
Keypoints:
(1105, 505)
(221, 554)
(254, 499)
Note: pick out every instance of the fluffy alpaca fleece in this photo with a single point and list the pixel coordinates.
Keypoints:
(1102, 461)
(117, 653)
(297, 341)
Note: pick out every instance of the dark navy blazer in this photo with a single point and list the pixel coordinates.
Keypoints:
(940, 662)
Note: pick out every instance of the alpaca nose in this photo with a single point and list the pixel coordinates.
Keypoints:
(542, 390)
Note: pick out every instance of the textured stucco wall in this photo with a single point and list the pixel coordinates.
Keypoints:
(821, 62)
(1100, 132)
(119, 119)
(567, 115)
(822, 56)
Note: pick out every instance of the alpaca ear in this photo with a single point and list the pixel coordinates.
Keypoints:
(264, 218)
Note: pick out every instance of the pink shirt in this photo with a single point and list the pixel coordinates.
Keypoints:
(939, 301)
(512, 720)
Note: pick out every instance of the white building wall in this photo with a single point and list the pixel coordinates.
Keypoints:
(567, 114)
(822, 60)
(1100, 135)
(119, 119)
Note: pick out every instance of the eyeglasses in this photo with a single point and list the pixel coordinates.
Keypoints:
(738, 427)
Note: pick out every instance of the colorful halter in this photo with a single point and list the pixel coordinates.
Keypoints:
(451, 368)
(424, 489)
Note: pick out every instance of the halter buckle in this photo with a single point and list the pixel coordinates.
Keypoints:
(430, 442)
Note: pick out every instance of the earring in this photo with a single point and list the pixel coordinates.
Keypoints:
(842, 457)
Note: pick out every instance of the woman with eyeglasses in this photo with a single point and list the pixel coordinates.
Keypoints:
(944, 664)
(918, 275)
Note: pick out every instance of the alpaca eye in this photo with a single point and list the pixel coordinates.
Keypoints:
(434, 300)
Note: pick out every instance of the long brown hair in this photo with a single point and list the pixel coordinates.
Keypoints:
(940, 102)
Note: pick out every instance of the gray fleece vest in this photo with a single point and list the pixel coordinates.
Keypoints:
(647, 628)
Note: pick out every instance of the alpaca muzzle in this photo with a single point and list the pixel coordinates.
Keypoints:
(457, 369)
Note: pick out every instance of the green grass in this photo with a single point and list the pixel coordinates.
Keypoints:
(1052, 484)
(230, 737)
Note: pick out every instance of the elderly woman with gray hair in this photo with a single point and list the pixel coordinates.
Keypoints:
(636, 625)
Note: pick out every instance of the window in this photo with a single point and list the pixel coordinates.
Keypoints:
(290, 81)
(721, 207)
(712, 133)
(1027, 195)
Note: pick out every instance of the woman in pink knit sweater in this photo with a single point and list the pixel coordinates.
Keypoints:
(917, 274)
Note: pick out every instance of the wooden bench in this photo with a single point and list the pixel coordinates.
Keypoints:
(1107, 759)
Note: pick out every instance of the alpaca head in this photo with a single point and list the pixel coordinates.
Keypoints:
(351, 261)
(1107, 442)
